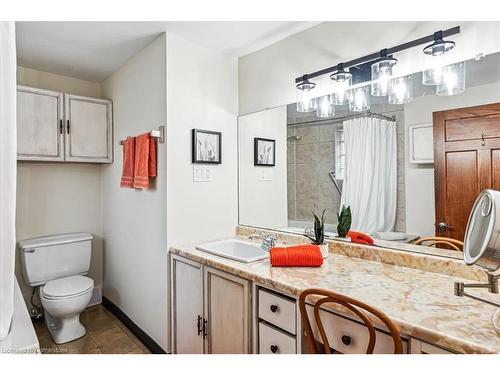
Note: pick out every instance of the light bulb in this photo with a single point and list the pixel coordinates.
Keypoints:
(453, 80)
(360, 99)
(401, 90)
(325, 107)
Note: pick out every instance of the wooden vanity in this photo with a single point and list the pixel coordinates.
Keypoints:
(224, 306)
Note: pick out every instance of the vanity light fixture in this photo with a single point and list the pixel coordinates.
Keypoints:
(453, 80)
(305, 99)
(382, 74)
(439, 46)
(401, 91)
(341, 80)
(325, 107)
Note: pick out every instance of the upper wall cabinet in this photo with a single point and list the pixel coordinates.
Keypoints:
(39, 121)
(76, 129)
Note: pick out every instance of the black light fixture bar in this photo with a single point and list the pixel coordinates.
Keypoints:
(376, 55)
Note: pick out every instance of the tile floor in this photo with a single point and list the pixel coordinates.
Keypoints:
(105, 335)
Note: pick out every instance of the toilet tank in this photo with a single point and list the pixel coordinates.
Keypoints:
(48, 258)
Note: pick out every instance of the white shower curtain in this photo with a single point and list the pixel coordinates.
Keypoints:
(7, 172)
(370, 181)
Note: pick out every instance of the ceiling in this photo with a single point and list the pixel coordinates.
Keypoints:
(94, 50)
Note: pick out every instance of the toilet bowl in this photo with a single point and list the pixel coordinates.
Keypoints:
(63, 300)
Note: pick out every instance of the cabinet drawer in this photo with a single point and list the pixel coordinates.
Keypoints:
(272, 341)
(349, 337)
(277, 310)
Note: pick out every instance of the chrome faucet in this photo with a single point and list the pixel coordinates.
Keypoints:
(268, 240)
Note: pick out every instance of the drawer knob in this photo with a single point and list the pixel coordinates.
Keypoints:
(274, 348)
(274, 308)
(346, 340)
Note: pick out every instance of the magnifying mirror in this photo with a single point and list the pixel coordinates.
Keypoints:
(482, 236)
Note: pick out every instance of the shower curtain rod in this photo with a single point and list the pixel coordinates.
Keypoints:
(348, 117)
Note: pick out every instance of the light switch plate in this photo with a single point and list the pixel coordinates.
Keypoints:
(202, 173)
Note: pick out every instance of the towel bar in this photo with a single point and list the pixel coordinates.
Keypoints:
(160, 134)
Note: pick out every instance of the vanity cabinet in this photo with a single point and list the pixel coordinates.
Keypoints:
(210, 310)
(422, 347)
(52, 126)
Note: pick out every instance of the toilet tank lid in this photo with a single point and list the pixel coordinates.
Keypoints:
(54, 240)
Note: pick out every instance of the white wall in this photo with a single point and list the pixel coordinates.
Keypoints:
(266, 77)
(263, 198)
(201, 93)
(420, 205)
(55, 198)
(134, 221)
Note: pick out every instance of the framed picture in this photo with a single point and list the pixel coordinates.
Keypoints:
(207, 146)
(264, 152)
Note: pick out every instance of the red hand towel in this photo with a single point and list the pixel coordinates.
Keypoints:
(358, 237)
(152, 157)
(296, 256)
(143, 161)
(127, 180)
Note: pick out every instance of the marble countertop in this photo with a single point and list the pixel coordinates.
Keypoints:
(421, 303)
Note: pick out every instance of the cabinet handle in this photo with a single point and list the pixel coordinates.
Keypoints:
(274, 348)
(67, 126)
(274, 308)
(346, 340)
(61, 129)
(204, 328)
(199, 325)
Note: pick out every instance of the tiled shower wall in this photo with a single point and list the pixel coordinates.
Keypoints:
(311, 158)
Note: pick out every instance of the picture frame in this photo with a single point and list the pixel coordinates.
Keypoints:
(264, 152)
(206, 146)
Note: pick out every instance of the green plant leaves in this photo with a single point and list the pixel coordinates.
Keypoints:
(319, 229)
(344, 221)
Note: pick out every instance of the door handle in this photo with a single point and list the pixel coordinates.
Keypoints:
(61, 128)
(67, 126)
(199, 325)
(274, 348)
(443, 227)
(204, 328)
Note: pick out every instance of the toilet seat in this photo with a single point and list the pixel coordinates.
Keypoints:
(67, 287)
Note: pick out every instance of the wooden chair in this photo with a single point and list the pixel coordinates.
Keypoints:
(444, 241)
(350, 304)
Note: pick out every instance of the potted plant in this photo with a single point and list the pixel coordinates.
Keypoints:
(319, 234)
(344, 221)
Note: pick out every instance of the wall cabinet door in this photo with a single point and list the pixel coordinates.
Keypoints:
(187, 306)
(89, 129)
(227, 313)
(39, 124)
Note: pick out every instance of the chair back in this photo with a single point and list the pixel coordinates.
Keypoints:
(357, 307)
(449, 243)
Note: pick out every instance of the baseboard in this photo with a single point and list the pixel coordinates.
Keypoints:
(143, 337)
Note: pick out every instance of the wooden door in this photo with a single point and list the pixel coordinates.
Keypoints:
(39, 124)
(187, 306)
(88, 126)
(466, 161)
(227, 313)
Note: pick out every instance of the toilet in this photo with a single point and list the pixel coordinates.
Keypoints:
(57, 265)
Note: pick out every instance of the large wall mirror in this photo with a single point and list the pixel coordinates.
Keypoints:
(408, 171)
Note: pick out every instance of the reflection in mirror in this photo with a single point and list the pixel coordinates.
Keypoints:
(409, 167)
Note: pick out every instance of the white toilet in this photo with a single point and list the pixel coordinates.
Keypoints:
(57, 264)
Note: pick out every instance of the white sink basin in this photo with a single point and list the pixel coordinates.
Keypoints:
(241, 251)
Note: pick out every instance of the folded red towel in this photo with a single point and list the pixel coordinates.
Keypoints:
(358, 237)
(145, 161)
(127, 180)
(296, 256)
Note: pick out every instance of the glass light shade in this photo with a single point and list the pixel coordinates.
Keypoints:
(325, 107)
(340, 95)
(306, 102)
(360, 99)
(432, 76)
(381, 76)
(453, 80)
(439, 47)
(401, 90)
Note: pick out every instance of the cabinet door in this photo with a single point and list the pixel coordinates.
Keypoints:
(421, 347)
(227, 311)
(89, 130)
(187, 306)
(39, 124)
